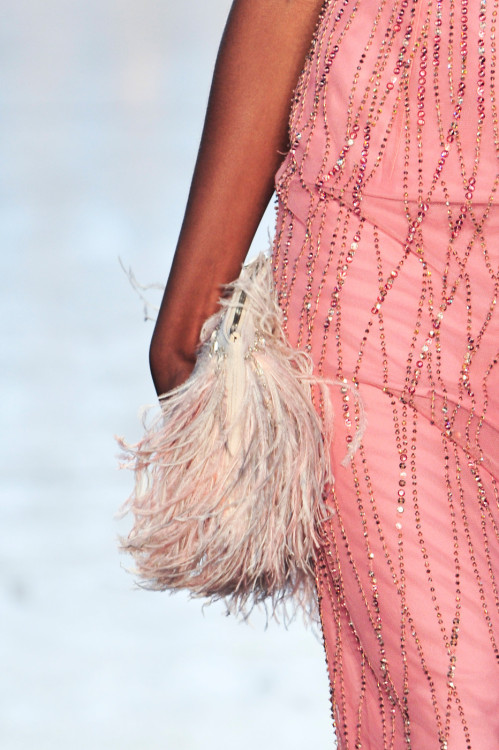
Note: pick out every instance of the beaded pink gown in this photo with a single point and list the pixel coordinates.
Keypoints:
(386, 262)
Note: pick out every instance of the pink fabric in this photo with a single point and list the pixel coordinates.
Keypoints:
(408, 599)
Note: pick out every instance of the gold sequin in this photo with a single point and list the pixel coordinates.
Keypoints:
(389, 192)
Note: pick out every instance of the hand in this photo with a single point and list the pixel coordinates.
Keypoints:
(168, 368)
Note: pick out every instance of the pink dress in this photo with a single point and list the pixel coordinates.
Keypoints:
(386, 262)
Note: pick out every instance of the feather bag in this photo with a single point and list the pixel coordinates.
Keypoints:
(229, 478)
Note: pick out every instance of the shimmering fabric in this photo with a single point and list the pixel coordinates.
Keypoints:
(386, 258)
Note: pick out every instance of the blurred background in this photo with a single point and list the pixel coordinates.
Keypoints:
(101, 108)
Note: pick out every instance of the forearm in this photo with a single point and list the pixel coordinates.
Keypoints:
(245, 134)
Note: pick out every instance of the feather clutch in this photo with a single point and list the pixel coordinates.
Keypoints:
(229, 478)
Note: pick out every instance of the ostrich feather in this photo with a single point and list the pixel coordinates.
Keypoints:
(230, 476)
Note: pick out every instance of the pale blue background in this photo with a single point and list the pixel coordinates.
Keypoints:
(101, 105)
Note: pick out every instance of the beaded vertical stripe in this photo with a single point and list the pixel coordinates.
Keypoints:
(385, 260)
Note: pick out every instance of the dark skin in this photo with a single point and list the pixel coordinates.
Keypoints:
(245, 135)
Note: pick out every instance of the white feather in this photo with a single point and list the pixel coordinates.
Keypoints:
(230, 476)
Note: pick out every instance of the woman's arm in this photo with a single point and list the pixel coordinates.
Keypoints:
(245, 135)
